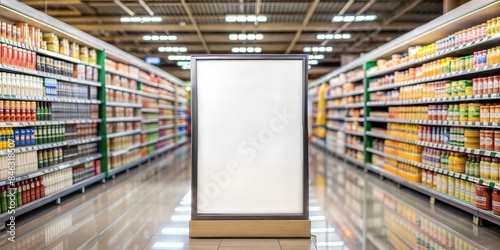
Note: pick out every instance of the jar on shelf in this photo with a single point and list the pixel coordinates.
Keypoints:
(483, 197)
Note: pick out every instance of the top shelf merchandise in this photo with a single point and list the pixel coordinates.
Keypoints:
(64, 107)
(432, 109)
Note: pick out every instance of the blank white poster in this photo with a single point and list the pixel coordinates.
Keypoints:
(250, 137)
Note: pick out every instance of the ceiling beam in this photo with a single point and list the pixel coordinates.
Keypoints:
(51, 2)
(265, 27)
(346, 7)
(195, 26)
(146, 7)
(398, 13)
(346, 25)
(305, 22)
(62, 12)
(124, 7)
(88, 8)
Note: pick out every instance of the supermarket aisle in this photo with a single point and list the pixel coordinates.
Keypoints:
(148, 208)
(369, 213)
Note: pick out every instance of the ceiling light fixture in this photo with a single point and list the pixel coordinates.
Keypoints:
(246, 50)
(245, 19)
(312, 62)
(172, 49)
(159, 38)
(316, 57)
(146, 19)
(179, 58)
(318, 49)
(243, 37)
(360, 18)
(333, 36)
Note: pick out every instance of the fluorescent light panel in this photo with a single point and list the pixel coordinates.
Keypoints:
(312, 62)
(159, 38)
(333, 36)
(246, 50)
(315, 57)
(146, 19)
(318, 49)
(244, 37)
(350, 18)
(245, 18)
(179, 58)
(172, 49)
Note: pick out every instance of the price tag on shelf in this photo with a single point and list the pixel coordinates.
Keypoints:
(463, 177)
(440, 170)
(432, 200)
(445, 171)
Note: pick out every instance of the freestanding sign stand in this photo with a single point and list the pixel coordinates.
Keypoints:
(249, 156)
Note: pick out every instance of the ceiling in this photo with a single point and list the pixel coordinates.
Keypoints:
(200, 25)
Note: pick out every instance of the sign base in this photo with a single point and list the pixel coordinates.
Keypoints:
(250, 229)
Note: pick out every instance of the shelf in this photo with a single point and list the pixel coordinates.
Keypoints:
(408, 244)
(181, 125)
(170, 89)
(161, 106)
(354, 133)
(182, 133)
(148, 95)
(164, 149)
(54, 168)
(459, 74)
(354, 105)
(150, 121)
(357, 92)
(123, 104)
(124, 119)
(167, 117)
(43, 123)
(47, 75)
(49, 99)
(354, 160)
(181, 101)
(124, 151)
(122, 89)
(166, 137)
(182, 116)
(437, 123)
(315, 100)
(52, 197)
(181, 142)
(438, 170)
(168, 98)
(490, 40)
(181, 94)
(145, 144)
(425, 190)
(47, 52)
(167, 126)
(334, 128)
(335, 107)
(115, 135)
(486, 97)
(48, 145)
(147, 131)
(481, 152)
(112, 71)
(350, 119)
(182, 108)
(333, 97)
(150, 111)
(335, 118)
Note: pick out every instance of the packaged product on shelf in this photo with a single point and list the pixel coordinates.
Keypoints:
(92, 56)
(84, 54)
(52, 42)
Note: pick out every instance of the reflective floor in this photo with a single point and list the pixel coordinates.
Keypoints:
(149, 208)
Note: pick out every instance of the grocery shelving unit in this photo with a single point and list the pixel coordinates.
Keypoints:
(85, 156)
(383, 97)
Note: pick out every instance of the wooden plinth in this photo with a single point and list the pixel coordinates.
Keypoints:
(249, 228)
